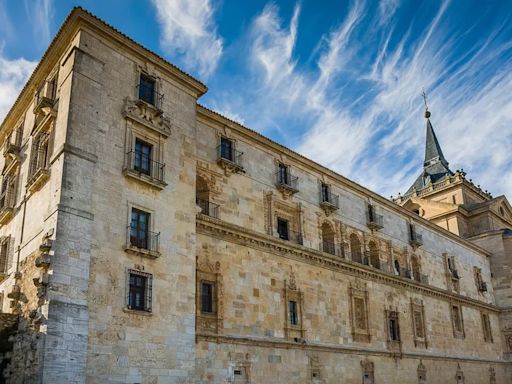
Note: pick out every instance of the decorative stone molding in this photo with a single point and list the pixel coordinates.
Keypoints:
(239, 369)
(367, 368)
(492, 375)
(459, 375)
(419, 329)
(315, 369)
(295, 332)
(147, 115)
(422, 373)
(359, 312)
(210, 323)
(257, 240)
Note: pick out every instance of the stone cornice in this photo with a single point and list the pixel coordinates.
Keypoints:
(240, 235)
(209, 116)
(318, 347)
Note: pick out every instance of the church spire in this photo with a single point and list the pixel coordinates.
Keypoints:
(433, 152)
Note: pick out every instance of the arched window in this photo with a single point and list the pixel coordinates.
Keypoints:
(328, 244)
(397, 267)
(203, 198)
(355, 249)
(415, 265)
(374, 255)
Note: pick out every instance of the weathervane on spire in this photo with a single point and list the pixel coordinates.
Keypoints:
(427, 112)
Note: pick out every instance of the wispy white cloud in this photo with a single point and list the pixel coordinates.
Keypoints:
(189, 34)
(13, 75)
(40, 13)
(376, 136)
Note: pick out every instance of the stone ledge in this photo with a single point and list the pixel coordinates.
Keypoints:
(240, 235)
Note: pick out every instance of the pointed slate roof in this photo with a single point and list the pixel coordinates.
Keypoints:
(435, 166)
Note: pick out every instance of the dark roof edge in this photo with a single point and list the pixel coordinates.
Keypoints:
(75, 14)
(389, 204)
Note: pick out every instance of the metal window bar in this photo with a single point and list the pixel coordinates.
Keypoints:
(143, 164)
(147, 290)
(208, 208)
(148, 240)
(46, 92)
(329, 247)
(7, 194)
(4, 256)
(329, 198)
(374, 218)
(286, 179)
(230, 154)
(147, 92)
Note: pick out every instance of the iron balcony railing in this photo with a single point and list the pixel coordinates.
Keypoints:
(287, 180)
(148, 94)
(329, 247)
(329, 199)
(375, 221)
(143, 165)
(416, 239)
(208, 208)
(13, 142)
(225, 153)
(144, 240)
(45, 95)
(293, 236)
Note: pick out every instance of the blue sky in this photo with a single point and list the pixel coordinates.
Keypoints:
(338, 81)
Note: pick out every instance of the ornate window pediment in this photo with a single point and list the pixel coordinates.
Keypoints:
(208, 293)
(359, 314)
(147, 115)
(294, 310)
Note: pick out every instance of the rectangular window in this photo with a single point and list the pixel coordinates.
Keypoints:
(139, 229)
(139, 290)
(142, 157)
(458, 322)
(359, 313)
(418, 324)
(207, 298)
(282, 229)
(283, 174)
(486, 327)
(226, 149)
(393, 328)
(39, 154)
(147, 89)
(292, 305)
(325, 193)
(4, 256)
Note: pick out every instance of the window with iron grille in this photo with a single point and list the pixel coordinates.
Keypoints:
(139, 290)
(326, 191)
(457, 321)
(283, 173)
(147, 89)
(5, 261)
(139, 228)
(142, 157)
(7, 195)
(39, 155)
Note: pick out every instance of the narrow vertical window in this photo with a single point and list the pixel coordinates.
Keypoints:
(325, 192)
(139, 229)
(147, 89)
(283, 174)
(207, 297)
(292, 305)
(486, 326)
(393, 329)
(226, 149)
(142, 157)
(4, 256)
(282, 229)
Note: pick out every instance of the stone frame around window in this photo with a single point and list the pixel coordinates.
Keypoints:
(293, 332)
(128, 247)
(359, 292)
(134, 132)
(394, 345)
(6, 257)
(418, 323)
(457, 333)
(209, 323)
(43, 134)
(148, 293)
(486, 327)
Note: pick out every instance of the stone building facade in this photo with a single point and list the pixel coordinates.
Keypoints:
(147, 239)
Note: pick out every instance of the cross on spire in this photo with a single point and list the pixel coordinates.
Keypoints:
(427, 112)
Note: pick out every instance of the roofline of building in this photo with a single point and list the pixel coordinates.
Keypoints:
(265, 141)
(56, 49)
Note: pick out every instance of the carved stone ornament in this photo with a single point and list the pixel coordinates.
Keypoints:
(422, 373)
(147, 115)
